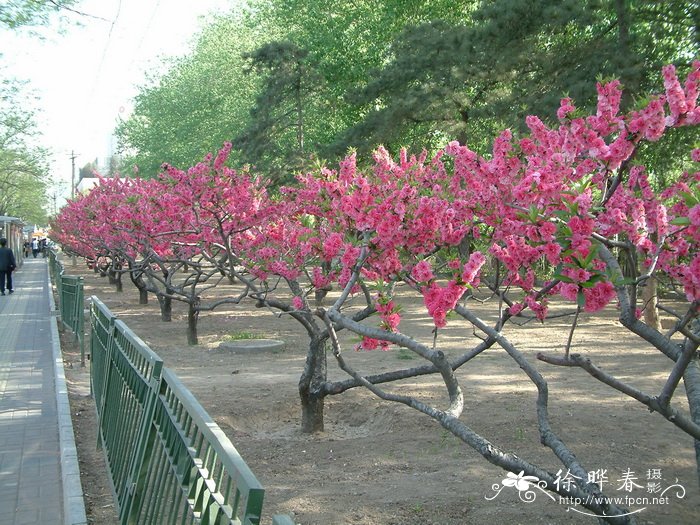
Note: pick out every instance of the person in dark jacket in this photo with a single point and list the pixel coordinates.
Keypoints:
(7, 266)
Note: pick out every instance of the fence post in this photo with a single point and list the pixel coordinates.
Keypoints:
(138, 474)
(102, 332)
(71, 305)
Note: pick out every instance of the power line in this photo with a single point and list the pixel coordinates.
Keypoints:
(98, 74)
(143, 35)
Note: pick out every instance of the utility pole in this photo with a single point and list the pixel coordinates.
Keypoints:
(74, 262)
(72, 173)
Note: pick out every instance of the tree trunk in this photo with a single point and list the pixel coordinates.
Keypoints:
(650, 301)
(691, 379)
(137, 279)
(192, 318)
(625, 60)
(166, 307)
(311, 385)
(118, 282)
(300, 114)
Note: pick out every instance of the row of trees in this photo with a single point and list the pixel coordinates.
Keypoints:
(289, 82)
(24, 169)
(563, 211)
(23, 164)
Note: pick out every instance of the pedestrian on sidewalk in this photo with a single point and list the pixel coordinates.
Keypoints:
(7, 266)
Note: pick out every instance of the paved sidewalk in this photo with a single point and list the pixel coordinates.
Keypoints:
(39, 477)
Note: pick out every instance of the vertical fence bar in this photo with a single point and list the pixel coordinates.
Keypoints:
(131, 371)
(101, 330)
(71, 300)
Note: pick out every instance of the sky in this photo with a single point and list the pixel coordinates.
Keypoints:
(86, 69)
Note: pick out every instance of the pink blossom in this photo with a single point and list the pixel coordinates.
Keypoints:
(516, 308)
(391, 321)
(298, 302)
(581, 226)
(368, 343)
(319, 279)
(471, 269)
(597, 297)
(566, 107)
(690, 277)
(332, 245)
(551, 251)
(440, 300)
(422, 272)
(650, 122)
(694, 215)
(674, 93)
(609, 96)
(569, 291)
(538, 307)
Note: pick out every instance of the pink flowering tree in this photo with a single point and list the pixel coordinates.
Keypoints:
(178, 233)
(557, 210)
(284, 268)
(215, 210)
(85, 228)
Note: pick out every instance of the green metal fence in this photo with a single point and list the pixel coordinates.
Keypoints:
(169, 462)
(70, 301)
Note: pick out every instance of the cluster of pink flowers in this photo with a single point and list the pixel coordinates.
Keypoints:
(537, 202)
(439, 300)
(389, 313)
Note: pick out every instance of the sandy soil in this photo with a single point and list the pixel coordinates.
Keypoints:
(379, 463)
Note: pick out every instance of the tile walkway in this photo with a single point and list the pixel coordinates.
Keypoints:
(39, 476)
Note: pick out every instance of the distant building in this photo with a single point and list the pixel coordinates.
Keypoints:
(88, 179)
(12, 229)
(86, 183)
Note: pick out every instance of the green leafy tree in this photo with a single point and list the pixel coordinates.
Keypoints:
(511, 58)
(275, 138)
(354, 39)
(203, 100)
(22, 13)
(206, 97)
(23, 166)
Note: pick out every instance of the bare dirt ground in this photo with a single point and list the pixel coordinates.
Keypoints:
(379, 463)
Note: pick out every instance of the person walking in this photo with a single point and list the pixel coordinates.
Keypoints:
(7, 266)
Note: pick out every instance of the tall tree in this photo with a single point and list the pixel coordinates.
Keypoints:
(202, 100)
(511, 58)
(353, 39)
(23, 166)
(274, 140)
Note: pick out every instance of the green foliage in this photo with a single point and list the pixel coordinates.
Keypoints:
(293, 81)
(241, 335)
(21, 13)
(23, 166)
(512, 58)
(275, 137)
(202, 101)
